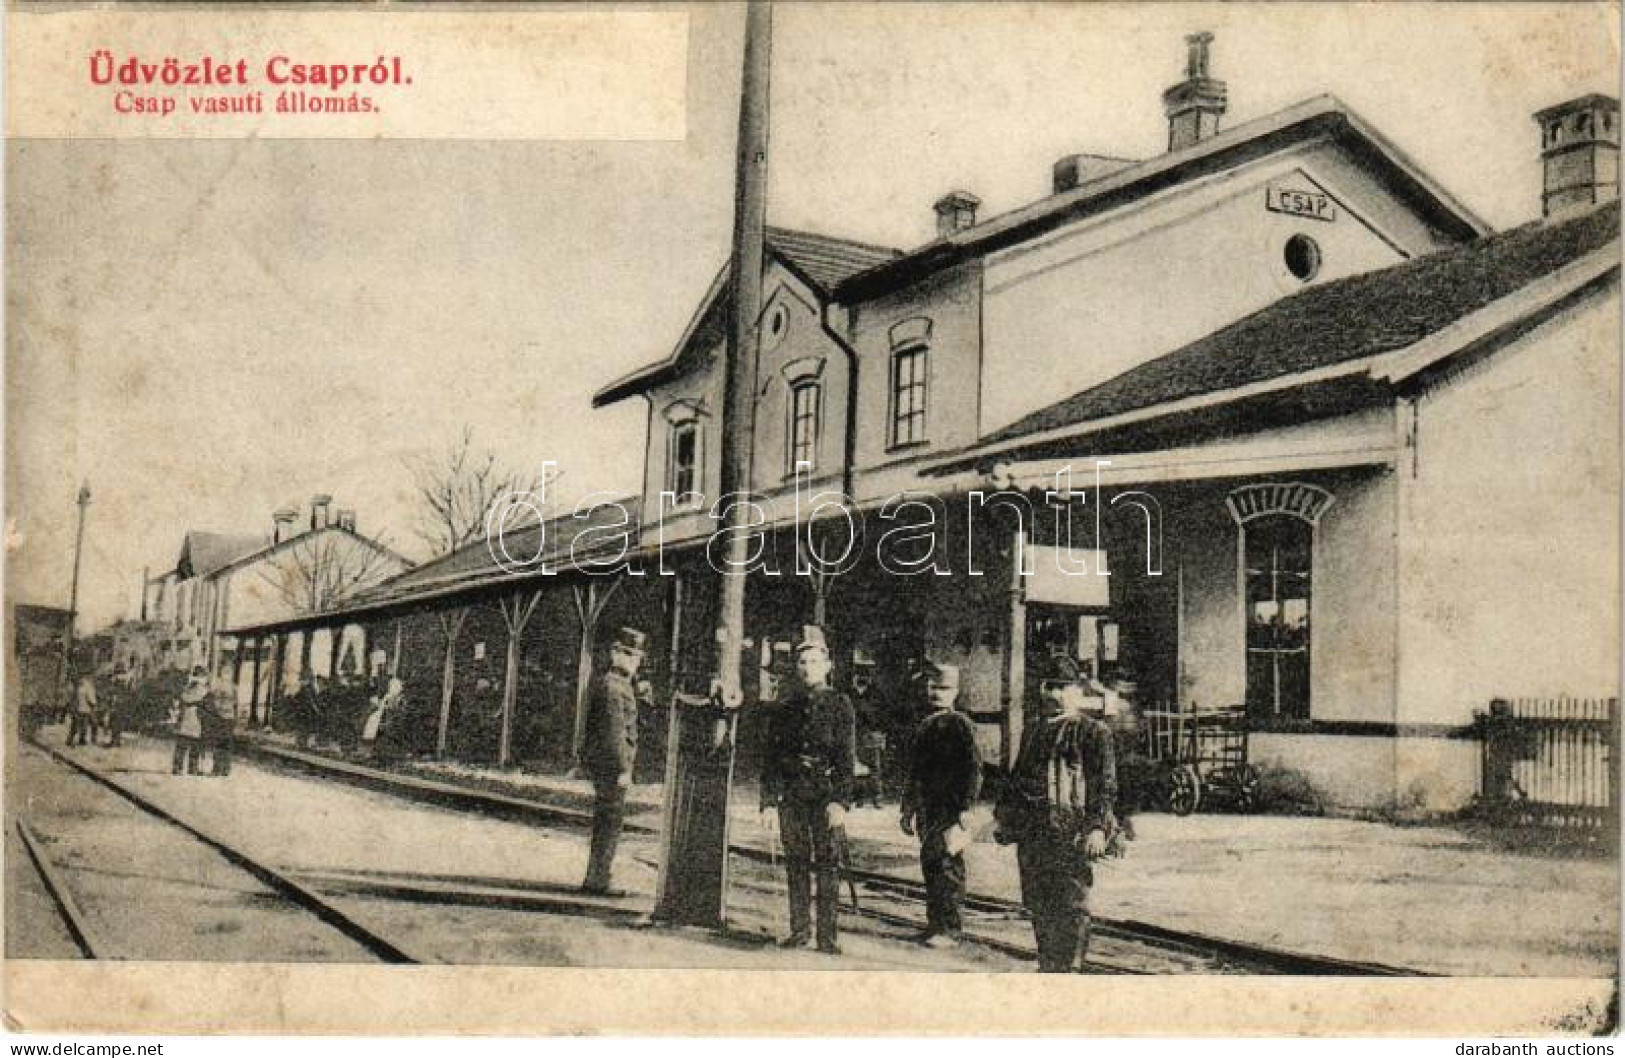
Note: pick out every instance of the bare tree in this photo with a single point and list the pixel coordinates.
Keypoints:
(320, 571)
(459, 486)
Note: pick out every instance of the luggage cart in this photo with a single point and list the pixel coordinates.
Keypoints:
(1206, 752)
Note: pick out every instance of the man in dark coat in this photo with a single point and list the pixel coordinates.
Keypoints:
(1059, 809)
(944, 776)
(807, 774)
(219, 718)
(609, 750)
(315, 699)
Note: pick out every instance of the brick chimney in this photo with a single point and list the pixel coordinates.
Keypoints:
(318, 510)
(1195, 104)
(346, 519)
(282, 519)
(1579, 151)
(956, 211)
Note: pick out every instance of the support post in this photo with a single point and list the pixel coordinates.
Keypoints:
(1015, 661)
(279, 668)
(237, 675)
(590, 602)
(451, 625)
(516, 614)
(254, 694)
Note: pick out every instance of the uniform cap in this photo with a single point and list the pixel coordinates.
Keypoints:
(811, 637)
(630, 639)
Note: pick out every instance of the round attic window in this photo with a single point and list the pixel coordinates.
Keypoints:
(778, 321)
(1302, 256)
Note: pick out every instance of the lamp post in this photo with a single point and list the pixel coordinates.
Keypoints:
(73, 588)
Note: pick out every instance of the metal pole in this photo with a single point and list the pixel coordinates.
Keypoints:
(73, 588)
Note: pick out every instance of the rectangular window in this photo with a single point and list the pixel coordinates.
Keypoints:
(908, 397)
(682, 478)
(804, 408)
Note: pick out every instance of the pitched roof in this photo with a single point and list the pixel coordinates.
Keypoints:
(203, 553)
(822, 261)
(826, 260)
(1322, 116)
(1344, 320)
(476, 562)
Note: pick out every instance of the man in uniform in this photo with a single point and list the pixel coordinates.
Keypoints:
(944, 776)
(609, 750)
(807, 774)
(1059, 809)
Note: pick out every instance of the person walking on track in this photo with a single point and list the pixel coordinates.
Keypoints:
(609, 751)
(1058, 807)
(944, 776)
(807, 774)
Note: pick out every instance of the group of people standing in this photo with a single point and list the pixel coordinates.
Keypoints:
(1057, 806)
(98, 707)
(349, 711)
(205, 722)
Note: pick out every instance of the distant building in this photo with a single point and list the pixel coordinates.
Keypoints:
(39, 643)
(310, 561)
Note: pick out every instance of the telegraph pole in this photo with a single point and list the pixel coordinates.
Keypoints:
(693, 884)
(745, 282)
(73, 588)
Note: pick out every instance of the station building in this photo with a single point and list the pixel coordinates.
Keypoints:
(1269, 419)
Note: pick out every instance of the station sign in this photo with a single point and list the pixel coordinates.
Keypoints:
(1316, 205)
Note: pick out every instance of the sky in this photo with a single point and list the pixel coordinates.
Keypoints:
(208, 330)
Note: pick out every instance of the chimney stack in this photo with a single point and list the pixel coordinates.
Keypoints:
(346, 519)
(956, 211)
(1194, 105)
(1579, 152)
(283, 518)
(318, 510)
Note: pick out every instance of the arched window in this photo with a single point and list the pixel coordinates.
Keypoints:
(685, 461)
(908, 391)
(683, 451)
(802, 435)
(1279, 556)
(910, 375)
(1277, 526)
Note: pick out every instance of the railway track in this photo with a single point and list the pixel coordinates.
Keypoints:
(73, 919)
(288, 888)
(1163, 949)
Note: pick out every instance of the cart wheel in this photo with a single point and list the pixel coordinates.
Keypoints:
(1185, 793)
